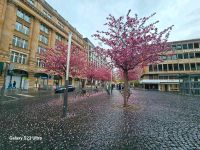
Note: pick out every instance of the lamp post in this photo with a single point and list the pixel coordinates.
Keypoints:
(67, 76)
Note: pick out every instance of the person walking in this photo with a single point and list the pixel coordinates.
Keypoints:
(14, 84)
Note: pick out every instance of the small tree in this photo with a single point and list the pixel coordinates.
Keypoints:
(55, 60)
(132, 42)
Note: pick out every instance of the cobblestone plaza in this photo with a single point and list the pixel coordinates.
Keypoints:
(154, 120)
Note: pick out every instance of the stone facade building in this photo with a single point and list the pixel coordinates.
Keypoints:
(27, 27)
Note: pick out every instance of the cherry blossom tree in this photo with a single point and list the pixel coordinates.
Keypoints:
(132, 42)
(55, 60)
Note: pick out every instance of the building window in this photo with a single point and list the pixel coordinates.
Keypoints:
(155, 67)
(18, 42)
(160, 67)
(173, 47)
(187, 67)
(197, 55)
(181, 67)
(198, 66)
(150, 68)
(193, 66)
(32, 2)
(196, 45)
(174, 57)
(190, 46)
(43, 39)
(40, 49)
(179, 47)
(61, 25)
(176, 67)
(18, 57)
(165, 67)
(191, 55)
(23, 16)
(59, 37)
(44, 28)
(170, 67)
(39, 63)
(21, 28)
(185, 55)
(185, 46)
(180, 56)
(169, 58)
(47, 14)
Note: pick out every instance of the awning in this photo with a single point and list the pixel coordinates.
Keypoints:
(41, 75)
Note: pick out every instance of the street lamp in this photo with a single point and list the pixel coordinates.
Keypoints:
(67, 76)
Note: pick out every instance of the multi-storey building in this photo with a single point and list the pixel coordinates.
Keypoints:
(99, 61)
(168, 75)
(94, 58)
(28, 27)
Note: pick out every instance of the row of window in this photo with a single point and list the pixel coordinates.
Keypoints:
(185, 46)
(39, 63)
(174, 67)
(22, 28)
(44, 28)
(23, 16)
(182, 56)
(32, 2)
(19, 42)
(59, 37)
(40, 49)
(18, 57)
(43, 39)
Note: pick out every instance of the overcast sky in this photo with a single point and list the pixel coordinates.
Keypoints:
(87, 16)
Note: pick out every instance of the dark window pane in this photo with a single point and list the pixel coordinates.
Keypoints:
(196, 45)
(181, 68)
(175, 67)
(174, 57)
(155, 67)
(150, 76)
(185, 46)
(165, 67)
(197, 55)
(187, 67)
(190, 46)
(150, 68)
(170, 67)
(179, 47)
(169, 58)
(198, 66)
(186, 56)
(191, 55)
(193, 66)
(160, 67)
(180, 56)
(173, 47)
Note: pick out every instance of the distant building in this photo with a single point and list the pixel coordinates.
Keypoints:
(179, 72)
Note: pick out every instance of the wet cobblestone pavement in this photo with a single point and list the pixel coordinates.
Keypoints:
(153, 121)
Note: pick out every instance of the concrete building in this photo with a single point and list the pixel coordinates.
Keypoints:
(170, 74)
(27, 27)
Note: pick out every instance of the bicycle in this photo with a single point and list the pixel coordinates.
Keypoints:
(81, 93)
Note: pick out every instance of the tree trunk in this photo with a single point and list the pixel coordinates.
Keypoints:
(125, 88)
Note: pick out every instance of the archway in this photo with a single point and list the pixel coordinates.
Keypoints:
(20, 77)
(41, 81)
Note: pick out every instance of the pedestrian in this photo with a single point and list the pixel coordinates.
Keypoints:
(14, 84)
(10, 85)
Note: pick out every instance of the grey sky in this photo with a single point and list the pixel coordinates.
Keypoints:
(87, 16)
